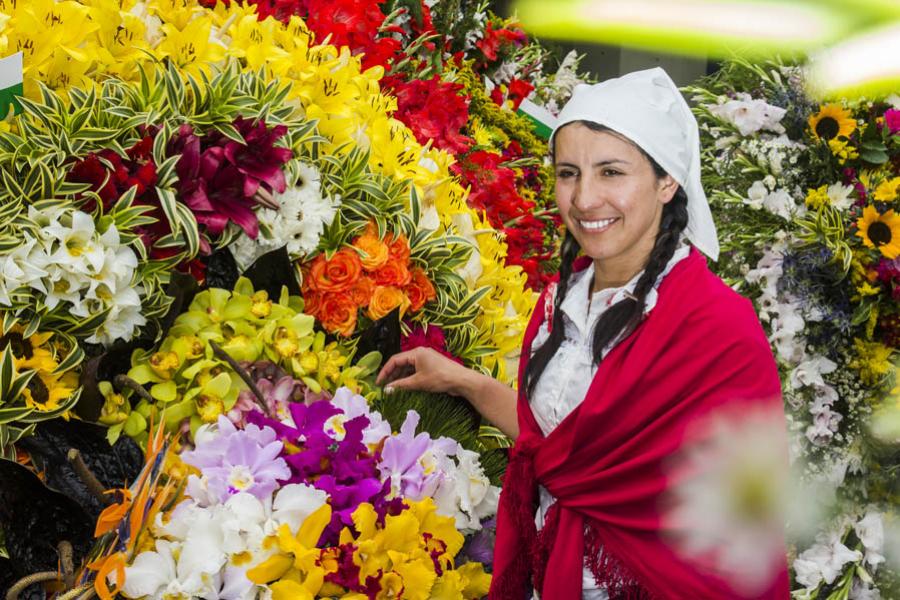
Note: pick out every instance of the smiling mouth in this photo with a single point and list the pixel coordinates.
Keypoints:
(595, 226)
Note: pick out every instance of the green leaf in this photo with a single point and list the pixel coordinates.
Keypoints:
(875, 157)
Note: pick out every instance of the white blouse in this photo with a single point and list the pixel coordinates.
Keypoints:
(562, 387)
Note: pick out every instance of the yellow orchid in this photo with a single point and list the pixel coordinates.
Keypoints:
(296, 571)
(468, 581)
(405, 550)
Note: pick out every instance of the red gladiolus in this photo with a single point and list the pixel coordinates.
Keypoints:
(518, 91)
(495, 39)
(434, 110)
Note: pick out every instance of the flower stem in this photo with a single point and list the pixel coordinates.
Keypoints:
(90, 480)
(81, 592)
(19, 586)
(541, 213)
(243, 374)
(124, 381)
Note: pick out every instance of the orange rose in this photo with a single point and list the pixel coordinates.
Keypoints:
(338, 314)
(361, 292)
(375, 249)
(399, 248)
(312, 303)
(420, 290)
(385, 299)
(337, 274)
(393, 273)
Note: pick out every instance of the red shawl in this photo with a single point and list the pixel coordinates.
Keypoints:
(701, 347)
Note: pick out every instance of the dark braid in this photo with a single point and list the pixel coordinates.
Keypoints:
(622, 318)
(542, 356)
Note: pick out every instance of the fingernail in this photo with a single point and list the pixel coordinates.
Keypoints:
(388, 390)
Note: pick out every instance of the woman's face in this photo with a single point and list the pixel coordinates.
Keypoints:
(609, 197)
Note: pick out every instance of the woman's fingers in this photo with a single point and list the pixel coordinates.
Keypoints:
(399, 362)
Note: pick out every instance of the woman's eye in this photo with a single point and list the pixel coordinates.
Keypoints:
(565, 173)
(611, 172)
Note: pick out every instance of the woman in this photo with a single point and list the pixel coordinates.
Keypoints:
(637, 342)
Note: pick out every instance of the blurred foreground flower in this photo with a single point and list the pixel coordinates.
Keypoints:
(728, 497)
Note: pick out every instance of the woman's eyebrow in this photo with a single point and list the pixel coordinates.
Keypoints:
(601, 163)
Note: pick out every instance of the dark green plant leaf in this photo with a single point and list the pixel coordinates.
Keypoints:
(273, 270)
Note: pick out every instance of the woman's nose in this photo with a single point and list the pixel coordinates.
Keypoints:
(588, 194)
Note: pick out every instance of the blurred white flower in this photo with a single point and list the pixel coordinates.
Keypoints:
(810, 371)
(729, 496)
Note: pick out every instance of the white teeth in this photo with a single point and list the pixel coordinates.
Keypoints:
(596, 225)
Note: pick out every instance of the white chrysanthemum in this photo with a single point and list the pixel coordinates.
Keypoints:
(729, 497)
(839, 194)
(297, 225)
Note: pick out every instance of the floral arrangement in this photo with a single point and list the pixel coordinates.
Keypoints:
(316, 499)
(166, 148)
(805, 195)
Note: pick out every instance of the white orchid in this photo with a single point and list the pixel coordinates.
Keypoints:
(810, 372)
(466, 494)
(160, 575)
(292, 505)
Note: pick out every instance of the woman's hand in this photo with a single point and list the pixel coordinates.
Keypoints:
(427, 370)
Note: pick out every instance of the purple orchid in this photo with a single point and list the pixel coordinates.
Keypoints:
(235, 460)
(401, 460)
(354, 405)
(345, 469)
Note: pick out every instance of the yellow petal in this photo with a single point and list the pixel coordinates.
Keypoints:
(290, 590)
(313, 526)
(271, 569)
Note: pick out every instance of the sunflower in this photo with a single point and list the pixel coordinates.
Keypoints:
(831, 122)
(45, 390)
(881, 231)
(888, 191)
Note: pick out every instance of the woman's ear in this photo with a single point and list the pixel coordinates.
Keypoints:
(666, 189)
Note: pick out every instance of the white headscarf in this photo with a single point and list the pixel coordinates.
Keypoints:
(647, 108)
